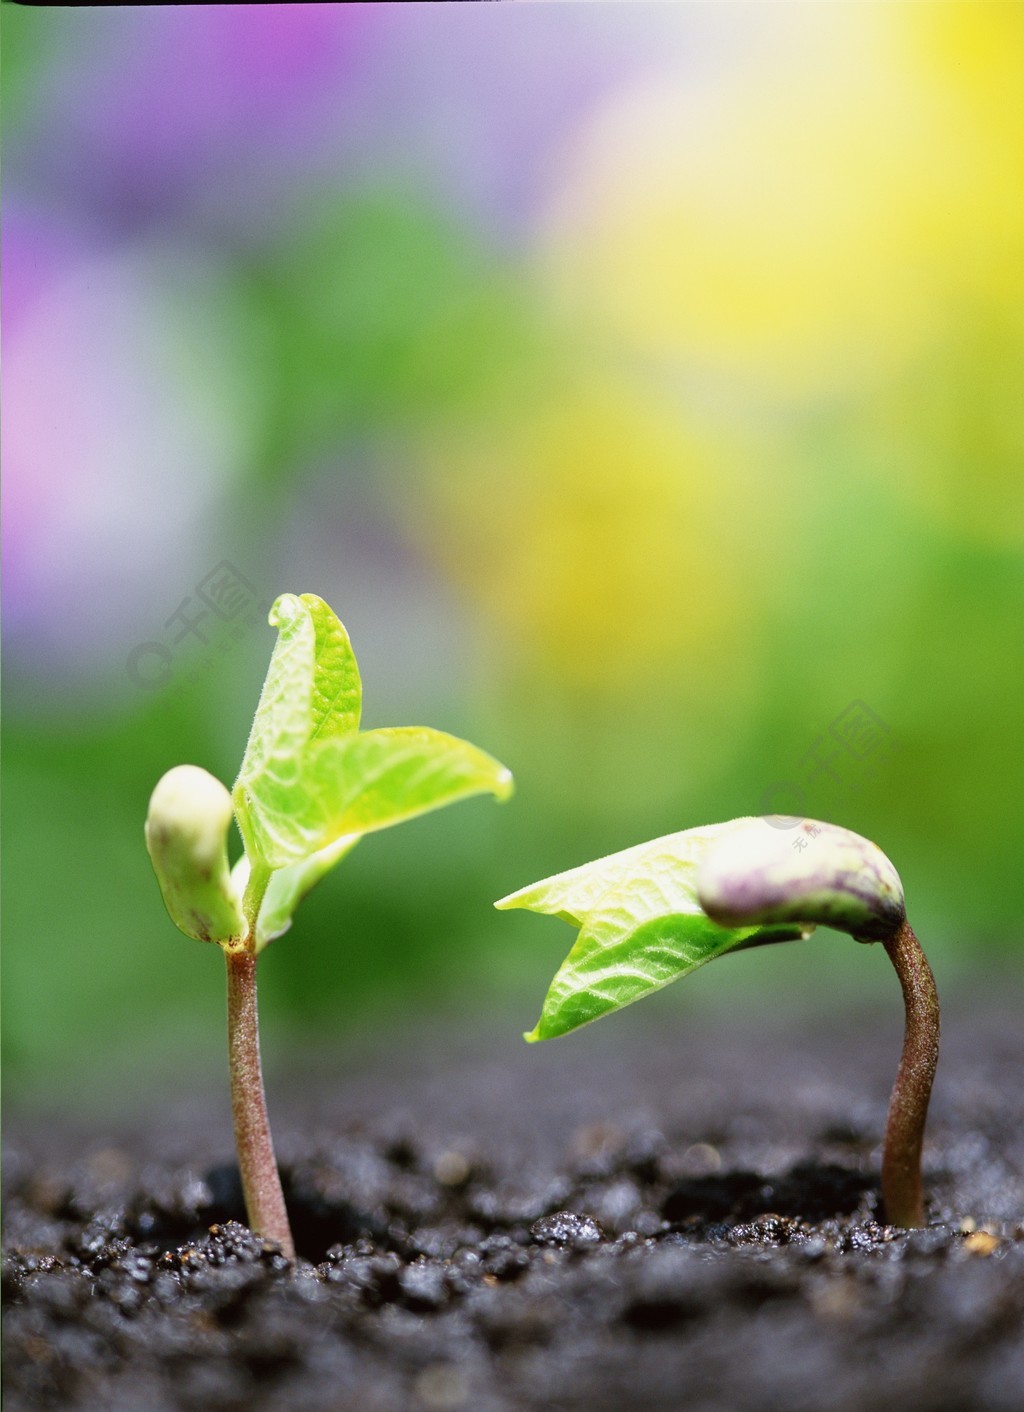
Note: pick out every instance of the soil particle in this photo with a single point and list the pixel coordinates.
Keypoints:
(714, 1251)
(567, 1230)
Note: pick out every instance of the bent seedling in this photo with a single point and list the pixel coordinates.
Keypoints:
(656, 912)
(310, 786)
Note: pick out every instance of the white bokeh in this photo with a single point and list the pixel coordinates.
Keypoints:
(132, 407)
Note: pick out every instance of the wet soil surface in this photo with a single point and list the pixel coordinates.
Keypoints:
(623, 1222)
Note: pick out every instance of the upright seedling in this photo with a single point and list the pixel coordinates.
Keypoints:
(653, 913)
(310, 786)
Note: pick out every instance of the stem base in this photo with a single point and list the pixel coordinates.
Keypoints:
(902, 1193)
(261, 1182)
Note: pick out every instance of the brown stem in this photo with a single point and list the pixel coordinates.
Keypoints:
(261, 1184)
(902, 1196)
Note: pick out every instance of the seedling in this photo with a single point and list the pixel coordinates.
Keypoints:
(656, 912)
(310, 786)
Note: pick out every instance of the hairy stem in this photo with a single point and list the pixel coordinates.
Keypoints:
(902, 1195)
(261, 1184)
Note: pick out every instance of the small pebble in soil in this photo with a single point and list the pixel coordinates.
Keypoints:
(451, 1169)
(566, 1228)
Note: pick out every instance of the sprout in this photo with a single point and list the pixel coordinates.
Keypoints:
(654, 913)
(311, 784)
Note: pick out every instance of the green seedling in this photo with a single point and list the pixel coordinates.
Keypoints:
(310, 786)
(656, 912)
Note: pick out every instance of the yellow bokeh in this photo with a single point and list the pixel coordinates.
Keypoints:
(605, 539)
(949, 436)
(802, 215)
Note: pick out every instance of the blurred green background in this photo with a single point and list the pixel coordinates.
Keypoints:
(641, 385)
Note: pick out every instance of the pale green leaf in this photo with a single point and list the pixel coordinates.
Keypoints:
(641, 926)
(283, 718)
(360, 783)
(312, 693)
(615, 963)
(573, 894)
(337, 690)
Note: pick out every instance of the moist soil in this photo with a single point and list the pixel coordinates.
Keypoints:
(677, 1220)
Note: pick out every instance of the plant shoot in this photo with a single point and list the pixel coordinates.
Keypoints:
(653, 913)
(311, 784)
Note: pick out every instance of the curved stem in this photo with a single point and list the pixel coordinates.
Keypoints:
(261, 1183)
(902, 1196)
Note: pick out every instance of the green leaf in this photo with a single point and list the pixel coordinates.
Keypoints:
(572, 895)
(360, 783)
(337, 690)
(641, 926)
(312, 693)
(311, 784)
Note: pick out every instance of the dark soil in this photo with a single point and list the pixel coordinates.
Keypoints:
(683, 1222)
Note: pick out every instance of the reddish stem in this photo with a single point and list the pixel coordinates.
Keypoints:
(261, 1184)
(902, 1195)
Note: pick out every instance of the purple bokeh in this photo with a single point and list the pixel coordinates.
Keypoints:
(223, 115)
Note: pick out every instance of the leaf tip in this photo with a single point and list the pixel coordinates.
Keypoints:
(284, 609)
(533, 1036)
